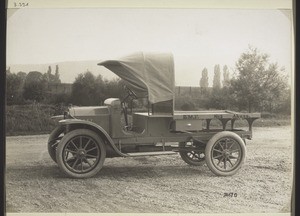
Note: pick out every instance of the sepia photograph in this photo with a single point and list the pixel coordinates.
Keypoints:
(149, 110)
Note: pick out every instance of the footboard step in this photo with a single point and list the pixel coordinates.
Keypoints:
(138, 154)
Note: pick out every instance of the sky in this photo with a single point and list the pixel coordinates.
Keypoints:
(197, 38)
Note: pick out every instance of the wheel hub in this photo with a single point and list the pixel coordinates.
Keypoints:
(226, 153)
(81, 153)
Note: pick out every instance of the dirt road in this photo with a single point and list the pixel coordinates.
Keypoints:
(34, 182)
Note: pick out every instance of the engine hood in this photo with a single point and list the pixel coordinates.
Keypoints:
(88, 111)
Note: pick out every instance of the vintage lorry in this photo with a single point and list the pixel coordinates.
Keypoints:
(85, 136)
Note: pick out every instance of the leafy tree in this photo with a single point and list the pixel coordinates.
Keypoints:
(56, 70)
(204, 79)
(33, 76)
(56, 75)
(226, 79)
(13, 88)
(284, 103)
(221, 99)
(22, 75)
(113, 88)
(90, 90)
(62, 99)
(217, 77)
(49, 70)
(259, 83)
(50, 78)
(35, 87)
(84, 89)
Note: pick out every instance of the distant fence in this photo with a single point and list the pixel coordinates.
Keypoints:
(191, 91)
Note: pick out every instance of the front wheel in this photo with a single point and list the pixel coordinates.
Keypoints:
(225, 153)
(81, 153)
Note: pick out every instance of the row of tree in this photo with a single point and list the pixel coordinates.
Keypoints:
(217, 77)
(87, 89)
(32, 86)
(257, 85)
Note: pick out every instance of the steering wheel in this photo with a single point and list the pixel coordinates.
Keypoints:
(131, 93)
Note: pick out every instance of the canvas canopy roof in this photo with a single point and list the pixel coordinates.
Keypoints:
(147, 74)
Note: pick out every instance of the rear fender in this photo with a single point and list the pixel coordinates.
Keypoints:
(72, 124)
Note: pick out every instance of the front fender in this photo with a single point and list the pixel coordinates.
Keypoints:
(97, 128)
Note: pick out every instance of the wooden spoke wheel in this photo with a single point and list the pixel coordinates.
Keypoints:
(194, 158)
(225, 153)
(81, 153)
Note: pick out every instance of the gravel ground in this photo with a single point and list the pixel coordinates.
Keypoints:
(163, 184)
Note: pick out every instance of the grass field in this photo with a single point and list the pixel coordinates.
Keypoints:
(36, 119)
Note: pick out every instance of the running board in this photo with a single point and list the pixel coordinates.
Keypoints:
(138, 154)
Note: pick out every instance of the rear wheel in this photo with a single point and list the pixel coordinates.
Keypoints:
(194, 158)
(225, 153)
(81, 153)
